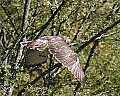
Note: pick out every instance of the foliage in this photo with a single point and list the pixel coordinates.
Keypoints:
(85, 22)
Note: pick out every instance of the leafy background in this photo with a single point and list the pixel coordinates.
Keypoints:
(80, 20)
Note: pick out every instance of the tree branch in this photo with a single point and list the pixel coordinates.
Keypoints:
(9, 18)
(91, 54)
(65, 19)
(83, 21)
(41, 29)
(98, 35)
(24, 26)
(25, 15)
(87, 64)
(39, 77)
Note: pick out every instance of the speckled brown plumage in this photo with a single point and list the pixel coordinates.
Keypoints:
(57, 46)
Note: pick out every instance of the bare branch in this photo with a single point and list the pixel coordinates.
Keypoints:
(64, 20)
(87, 64)
(98, 35)
(25, 14)
(91, 54)
(111, 12)
(9, 18)
(39, 77)
(24, 26)
(41, 29)
(83, 21)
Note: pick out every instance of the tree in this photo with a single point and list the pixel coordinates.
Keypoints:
(92, 26)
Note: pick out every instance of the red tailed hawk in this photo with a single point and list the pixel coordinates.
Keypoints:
(57, 46)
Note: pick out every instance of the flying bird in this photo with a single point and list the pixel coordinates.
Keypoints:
(56, 45)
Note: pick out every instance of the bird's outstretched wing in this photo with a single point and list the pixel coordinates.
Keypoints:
(38, 44)
(35, 57)
(60, 50)
(37, 52)
(63, 53)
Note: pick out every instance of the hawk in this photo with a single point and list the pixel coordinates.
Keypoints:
(56, 45)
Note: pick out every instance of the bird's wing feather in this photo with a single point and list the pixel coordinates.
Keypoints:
(63, 53)
(34, 57)
(37, 52)
(38, 44)
(60, 50)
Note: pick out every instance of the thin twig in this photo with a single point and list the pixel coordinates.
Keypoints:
(51, 64)
(65, 19)
(83, 21)
(91, 54)
(9, 18)
(98, 35)
(38, 78)
(24, 26)
(41, 29)
(25, 15)
(87, 64)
